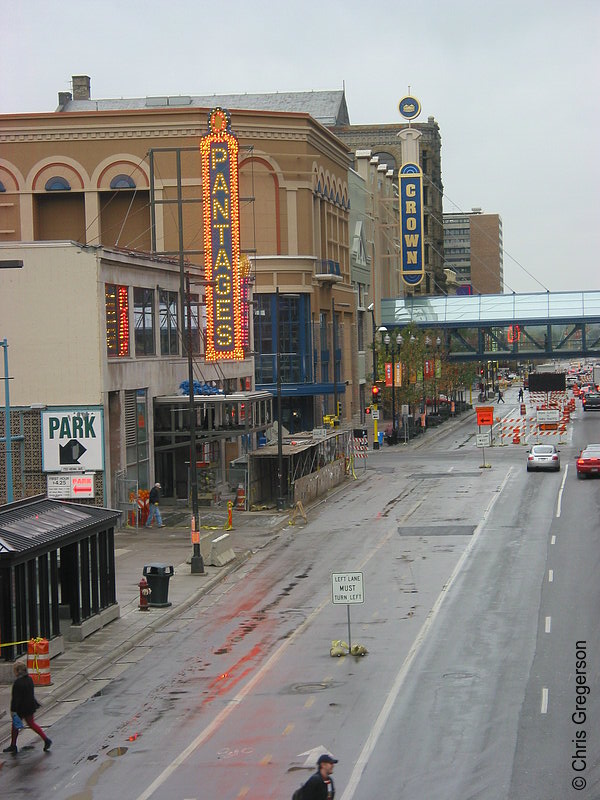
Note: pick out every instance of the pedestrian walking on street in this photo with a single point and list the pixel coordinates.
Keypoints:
(153, 499)
(23, 706)
(320, 785)
(500, 396)
(520, 394)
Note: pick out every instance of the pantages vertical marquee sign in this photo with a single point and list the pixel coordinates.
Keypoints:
(221, 217)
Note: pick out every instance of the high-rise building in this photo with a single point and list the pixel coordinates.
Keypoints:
(473, 249)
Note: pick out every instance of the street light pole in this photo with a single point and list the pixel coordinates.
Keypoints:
(389, 348)
(334, 343)
(197, 562)
(371, 308)
(280, 497)
(7, 431)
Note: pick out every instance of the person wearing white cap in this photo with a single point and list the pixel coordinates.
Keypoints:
(154, 510)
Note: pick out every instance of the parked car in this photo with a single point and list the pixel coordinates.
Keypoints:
(543, 456)
(588, 463)
(591, 401)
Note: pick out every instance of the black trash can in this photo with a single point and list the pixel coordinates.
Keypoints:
(158, 576)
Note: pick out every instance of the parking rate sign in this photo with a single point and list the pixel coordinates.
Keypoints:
(347, 587)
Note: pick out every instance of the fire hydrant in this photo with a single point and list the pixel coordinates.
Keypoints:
(145, 592)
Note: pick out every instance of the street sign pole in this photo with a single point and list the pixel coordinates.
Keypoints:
(349, 633)
(347, 587)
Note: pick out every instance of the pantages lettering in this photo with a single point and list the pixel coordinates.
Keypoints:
(220, 195)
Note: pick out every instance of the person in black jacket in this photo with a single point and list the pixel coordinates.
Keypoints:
(153, 499)
(320, 785)
(24, 704)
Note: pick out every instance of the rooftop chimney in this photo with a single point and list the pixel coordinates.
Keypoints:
(81, 87)
(63, 99)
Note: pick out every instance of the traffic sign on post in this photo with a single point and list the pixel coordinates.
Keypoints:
(485, 415)
(347, 587)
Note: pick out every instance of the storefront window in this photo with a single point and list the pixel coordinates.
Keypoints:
(169, 334)
(117, 320)
(143, 314)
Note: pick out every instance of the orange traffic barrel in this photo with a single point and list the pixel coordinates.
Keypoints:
(38, 661)
(240, 501)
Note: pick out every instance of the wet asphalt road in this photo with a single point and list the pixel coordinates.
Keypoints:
(233, 696)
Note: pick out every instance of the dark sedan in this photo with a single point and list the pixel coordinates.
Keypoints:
(591, 401)
(588, 463)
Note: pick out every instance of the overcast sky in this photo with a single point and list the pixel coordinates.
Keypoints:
(513, 86)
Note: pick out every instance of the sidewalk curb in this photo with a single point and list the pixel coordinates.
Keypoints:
(92, 671)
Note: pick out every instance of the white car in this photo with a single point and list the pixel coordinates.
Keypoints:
(543, 456)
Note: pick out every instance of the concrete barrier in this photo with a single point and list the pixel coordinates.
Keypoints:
(221, 551)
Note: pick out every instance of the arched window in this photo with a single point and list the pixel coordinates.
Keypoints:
(2, 187)
(58, 184)
(122, 182)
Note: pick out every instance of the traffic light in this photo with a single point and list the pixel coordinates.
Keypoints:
(368, 410)
(375, 394)
(482, 372)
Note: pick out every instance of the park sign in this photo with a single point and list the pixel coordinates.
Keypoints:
(73, 440)
(221, 218)
(412, 265)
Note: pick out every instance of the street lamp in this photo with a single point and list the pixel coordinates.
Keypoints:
(371, 308)
(438, 343)
(427, 345)
(391, 349)
(280, 497)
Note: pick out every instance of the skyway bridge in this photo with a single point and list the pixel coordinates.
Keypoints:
(539, 325)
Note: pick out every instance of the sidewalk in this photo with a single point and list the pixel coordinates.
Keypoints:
(77, 672)
(85, 667)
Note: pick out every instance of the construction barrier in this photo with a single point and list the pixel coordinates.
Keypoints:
(38, 661)
(240, 501)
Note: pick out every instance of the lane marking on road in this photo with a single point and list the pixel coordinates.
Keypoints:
(242, 792)
(266, 760)
(288, 729)
(544, 706)
(234, 703)
(560, 492)
(550, 575)
(548, 624)
(553, 540)
(120, 551)
(310, 701)
(392, 697)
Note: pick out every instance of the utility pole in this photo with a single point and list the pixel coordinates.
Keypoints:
(280, 496)
(334, 343)
(197, 561)
(8, 435)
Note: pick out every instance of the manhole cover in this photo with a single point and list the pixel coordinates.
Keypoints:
(308, 688)
(117, 751)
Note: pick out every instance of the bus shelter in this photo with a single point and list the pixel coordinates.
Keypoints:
(57, 572)
(311, 464)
